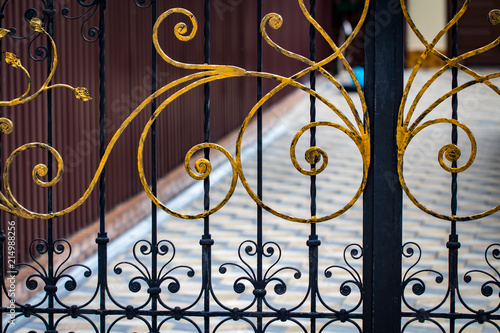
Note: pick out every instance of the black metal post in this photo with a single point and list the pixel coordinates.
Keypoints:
(2, 234)
(154, 182)
(102, 239)
(382, 220)
(313, 242)
(453, 244)
(206, 241)
(260, 294)
(48, 13)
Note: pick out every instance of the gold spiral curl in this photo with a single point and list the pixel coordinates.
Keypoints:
(204, 168)
(180, 31)
(312, 155)
(494, 16)
(275, 20)
(6, 126)
(450, 152)
(40, 170)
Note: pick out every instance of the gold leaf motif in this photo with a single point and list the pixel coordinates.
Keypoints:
(36, 24)
(82, 94)
(12, 59)
(4, 32)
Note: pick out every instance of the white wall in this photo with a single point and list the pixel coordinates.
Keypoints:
(430, 16)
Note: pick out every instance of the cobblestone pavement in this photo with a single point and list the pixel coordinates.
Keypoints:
(287, 191)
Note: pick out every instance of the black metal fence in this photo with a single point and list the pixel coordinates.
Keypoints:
(380, 127)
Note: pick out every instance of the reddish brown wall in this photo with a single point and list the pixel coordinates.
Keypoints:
(474, 31)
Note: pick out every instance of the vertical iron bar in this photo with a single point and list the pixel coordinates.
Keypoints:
(453, 244)
(102, 239)
(313, 242)
(206, 241)
(260, 283)
(382, 213)
(48, 13)
(206, 128)
(2, 276)
(154, 185)
(2, 234)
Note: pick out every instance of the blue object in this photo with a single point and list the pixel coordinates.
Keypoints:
(359, 72)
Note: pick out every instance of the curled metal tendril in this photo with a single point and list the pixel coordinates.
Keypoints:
(143, 3)
(493, 280)
(134, 285)
(275, 20)
(39, 170)
(8, 202)
(449, 152)
(413, 279)
(30, 14)
(494, 16)
(180, 30)
(59, 247)
(238, 287)
(419, 320)
(145, 248)
(93, 33)
(41, 52)
(203, 169)
(269, 249)
(312, 155)
(355, 252)
(88, 3)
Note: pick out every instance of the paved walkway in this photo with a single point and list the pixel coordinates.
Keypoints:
(288, 192)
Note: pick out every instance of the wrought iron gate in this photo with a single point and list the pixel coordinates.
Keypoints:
(382, 126)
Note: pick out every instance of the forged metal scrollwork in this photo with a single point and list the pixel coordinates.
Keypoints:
(358, 131)
(494, 16)
(492, 282)
(488, 284)
(355, 252)
(40, 247)
(153, 282)
(413, 279)
(251, 249)
(14, 61)
(91, 6)
(143, 3)
(407, 130)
